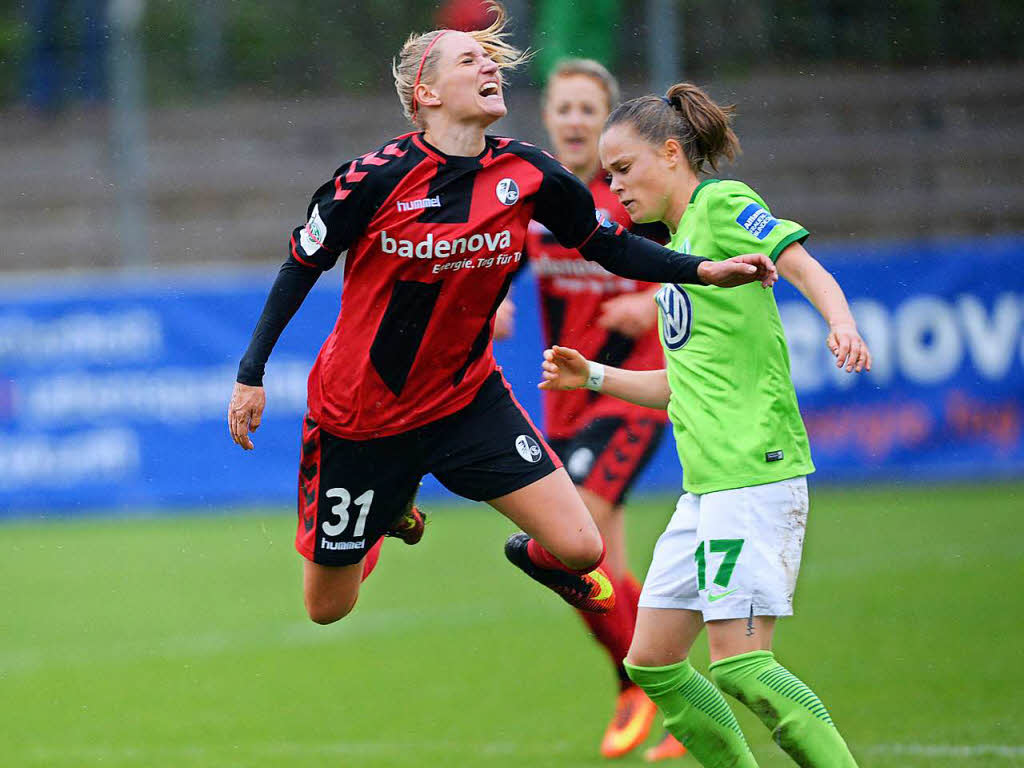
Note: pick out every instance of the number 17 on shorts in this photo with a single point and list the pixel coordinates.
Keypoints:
(731, 554)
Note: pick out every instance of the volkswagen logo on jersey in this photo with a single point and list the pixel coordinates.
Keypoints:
(528, 448)
(676, 315)
(507, 191)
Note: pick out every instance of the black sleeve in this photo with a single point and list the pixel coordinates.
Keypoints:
(293, 283)
(634, 257)
(655, 231)
(565, 206)
(563, 203)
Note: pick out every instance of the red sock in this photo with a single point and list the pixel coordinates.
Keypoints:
(544, 559)
(631, 594)
(614, 630)
(370, 561)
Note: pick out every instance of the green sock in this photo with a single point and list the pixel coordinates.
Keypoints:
(696, 714)
(798, 720)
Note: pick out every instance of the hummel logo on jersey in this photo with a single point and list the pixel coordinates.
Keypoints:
(418, 205)
(507, 191)
(442, 249)
(341, 545)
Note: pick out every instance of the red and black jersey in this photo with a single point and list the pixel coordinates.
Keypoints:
(431, 243)
(572, 290)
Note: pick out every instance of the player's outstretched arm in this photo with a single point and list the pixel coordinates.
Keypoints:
(564, 368)
(245, 411)
(637, 258)
(822, 290)
(565, 206)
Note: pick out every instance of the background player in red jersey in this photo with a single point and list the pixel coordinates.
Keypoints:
(429, 228)
(605, 443)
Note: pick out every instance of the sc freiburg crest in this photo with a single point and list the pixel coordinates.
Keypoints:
(507, 191)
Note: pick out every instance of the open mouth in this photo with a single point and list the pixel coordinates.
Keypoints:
(489, 89)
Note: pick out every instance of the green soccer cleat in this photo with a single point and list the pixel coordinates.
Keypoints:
(591, 592)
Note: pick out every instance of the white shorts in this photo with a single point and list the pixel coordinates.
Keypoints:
(731, 554)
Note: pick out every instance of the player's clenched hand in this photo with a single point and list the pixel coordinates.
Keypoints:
(739, 270)
(632, 314)
(849, 348)
(245, 413)
(563, 368)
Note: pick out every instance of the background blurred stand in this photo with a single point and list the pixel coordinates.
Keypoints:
(128, 132)
(208, 51)
(665, 55)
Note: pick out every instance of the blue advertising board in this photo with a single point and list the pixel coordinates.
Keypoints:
(114, 389)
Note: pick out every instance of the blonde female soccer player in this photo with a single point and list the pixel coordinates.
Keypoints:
(429, 228)
(729, 558)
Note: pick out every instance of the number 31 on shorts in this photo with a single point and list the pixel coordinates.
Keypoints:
(731, 549)
(340, 510)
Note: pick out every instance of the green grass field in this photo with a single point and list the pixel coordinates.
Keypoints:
(183, 642)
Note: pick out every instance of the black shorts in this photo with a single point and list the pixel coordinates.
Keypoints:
(609, 453)
(352, 491)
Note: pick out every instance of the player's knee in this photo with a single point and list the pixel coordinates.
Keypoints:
(329, 610)
(586, 553)
(643, 655)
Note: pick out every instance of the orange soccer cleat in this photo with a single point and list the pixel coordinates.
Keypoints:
(666, 749)
(634, 713)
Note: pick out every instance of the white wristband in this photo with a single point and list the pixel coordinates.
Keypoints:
(595, 376)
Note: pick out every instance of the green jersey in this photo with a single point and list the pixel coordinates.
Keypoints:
(733, 407)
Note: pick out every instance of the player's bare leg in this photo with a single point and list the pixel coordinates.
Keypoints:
(330, 591)
(663, 636)
(561, 546)
(610, 522)
(552, 512)
(731, 637)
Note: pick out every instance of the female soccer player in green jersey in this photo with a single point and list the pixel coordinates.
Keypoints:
(729, 558)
